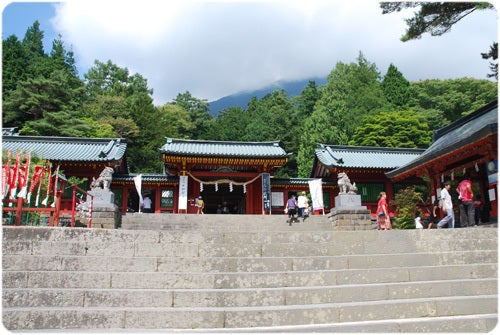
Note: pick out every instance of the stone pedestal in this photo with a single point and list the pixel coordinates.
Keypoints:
(349, 214)
(105, 214)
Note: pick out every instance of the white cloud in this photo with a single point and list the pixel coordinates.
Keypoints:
(216, 48)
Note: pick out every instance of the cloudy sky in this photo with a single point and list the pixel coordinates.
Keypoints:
(214, 48)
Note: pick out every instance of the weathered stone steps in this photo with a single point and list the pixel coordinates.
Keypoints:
(252, 277)
(235, 317)
(241, 297)
(240, 264)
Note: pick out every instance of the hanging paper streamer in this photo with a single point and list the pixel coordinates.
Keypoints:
(463, 172)
(442, 178)
(225, 181)
(477, 168)
(216, 187)
(230, 187)
(452, 175)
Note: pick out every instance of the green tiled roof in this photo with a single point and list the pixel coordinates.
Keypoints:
(365, 157)
(68, 148)
(198, 148)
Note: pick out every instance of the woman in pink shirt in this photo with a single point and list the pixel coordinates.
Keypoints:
(466, 196)
(383, 220)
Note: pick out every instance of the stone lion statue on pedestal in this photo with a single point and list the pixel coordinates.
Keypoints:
(104, 180)
(345, 185)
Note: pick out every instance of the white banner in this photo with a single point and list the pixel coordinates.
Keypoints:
(138, 187)
(183, 192)
(316, 190)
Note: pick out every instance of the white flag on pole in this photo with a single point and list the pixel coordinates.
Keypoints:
(138, 187)
(316, 190)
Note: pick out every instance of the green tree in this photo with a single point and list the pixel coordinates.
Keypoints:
(14, 63)
(318, 126)
(351, 92)
(113, 111)
(46, 106)
(307, 100)
(43, 95)
(437, 18)
(395, 87)
(406, 202)
(176, 120)
(143, 153)
(453, 98)
(110, 79)
(493, 54)
(33, 41)
(404, 129)
(122, 100)
(231, 124)
(199, 115)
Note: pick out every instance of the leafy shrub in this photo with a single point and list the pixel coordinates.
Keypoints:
(406, 203)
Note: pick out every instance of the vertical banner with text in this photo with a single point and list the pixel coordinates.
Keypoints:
(183, 192)
(266, 192)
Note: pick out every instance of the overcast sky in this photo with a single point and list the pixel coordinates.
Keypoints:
(216, 48)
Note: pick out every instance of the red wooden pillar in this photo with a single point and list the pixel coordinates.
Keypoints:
(156, 203)
(19, 211)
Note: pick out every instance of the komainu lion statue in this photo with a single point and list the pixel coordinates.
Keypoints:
(345, 184)
(104, 180)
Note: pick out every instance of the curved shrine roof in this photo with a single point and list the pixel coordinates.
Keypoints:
(68, 148)
(341, 156)
(199, 148)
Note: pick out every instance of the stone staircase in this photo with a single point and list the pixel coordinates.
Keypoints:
(250, 273)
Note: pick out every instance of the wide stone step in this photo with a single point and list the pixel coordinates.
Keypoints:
(238, 317)
(48, 262)
(136, 221)
(56, 297)
(479, 323)
(229, 245)
(220, 280)
(29, 239)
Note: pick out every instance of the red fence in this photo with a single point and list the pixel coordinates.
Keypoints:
(20, 214)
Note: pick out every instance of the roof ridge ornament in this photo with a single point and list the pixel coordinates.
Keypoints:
(107, 149)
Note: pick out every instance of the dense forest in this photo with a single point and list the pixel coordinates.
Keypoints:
(43, 95)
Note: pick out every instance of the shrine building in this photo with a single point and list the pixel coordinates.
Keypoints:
(466, 146)
(365, 166)
(239, 176)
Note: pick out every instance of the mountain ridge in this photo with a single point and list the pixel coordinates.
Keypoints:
(241, 99)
